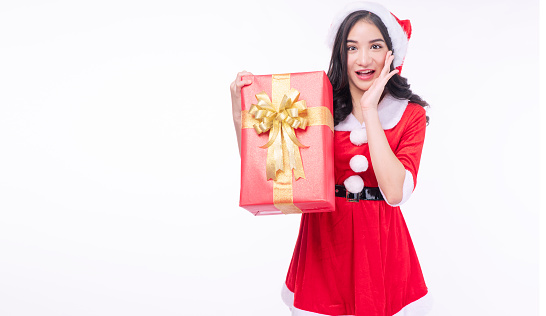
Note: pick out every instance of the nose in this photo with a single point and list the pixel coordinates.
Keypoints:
(364, 58)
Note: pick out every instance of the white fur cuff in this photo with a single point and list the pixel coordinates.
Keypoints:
(407, 189)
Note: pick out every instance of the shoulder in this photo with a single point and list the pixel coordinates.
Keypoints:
(415, 109)
(414, 112)
(395, 112)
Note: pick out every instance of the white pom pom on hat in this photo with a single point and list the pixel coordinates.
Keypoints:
(358, 163)
(399, 30)
(358, 136)
(354, 184)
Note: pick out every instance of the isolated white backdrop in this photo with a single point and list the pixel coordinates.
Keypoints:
(119, 169)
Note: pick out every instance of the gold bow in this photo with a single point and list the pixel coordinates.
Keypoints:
(281, 119)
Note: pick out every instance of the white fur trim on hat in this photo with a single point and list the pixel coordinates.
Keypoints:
(358, 136)
(358, 163)
(389, 110)
(354, 184)
(398, 36)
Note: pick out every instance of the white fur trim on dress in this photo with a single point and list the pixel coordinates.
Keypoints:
(358, 136)
(407, 189)
(389, 110)
(419, 307)
(396, 32)
(354, 184)
(350, 123)
(359, 163)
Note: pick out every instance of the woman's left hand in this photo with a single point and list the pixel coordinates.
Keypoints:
(371, 97)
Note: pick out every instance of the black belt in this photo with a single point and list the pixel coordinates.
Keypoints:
(366, 194)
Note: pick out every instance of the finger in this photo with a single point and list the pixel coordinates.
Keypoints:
(382, 81)
(239, 82)
(240, 74)
(243, 73)
(385, 79)
(388, 61)
(246, 81)
(390, 75)
(242, 83)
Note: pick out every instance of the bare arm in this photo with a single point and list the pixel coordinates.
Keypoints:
(235, 88)
(389, 171)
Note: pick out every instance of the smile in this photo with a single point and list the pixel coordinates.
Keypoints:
(365, 74)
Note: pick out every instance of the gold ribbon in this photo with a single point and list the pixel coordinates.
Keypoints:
(281, 117)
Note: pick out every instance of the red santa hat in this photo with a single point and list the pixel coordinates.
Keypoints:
(399, 30)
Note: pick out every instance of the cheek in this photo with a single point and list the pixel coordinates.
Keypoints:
(350, 60)
(380, 59)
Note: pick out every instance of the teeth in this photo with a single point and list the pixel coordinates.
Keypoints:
(365, 72)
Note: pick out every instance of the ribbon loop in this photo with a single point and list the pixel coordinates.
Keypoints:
(281, 120)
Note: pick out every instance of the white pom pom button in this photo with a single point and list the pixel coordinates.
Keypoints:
(359, 163)
(358, 136)
(354, 184)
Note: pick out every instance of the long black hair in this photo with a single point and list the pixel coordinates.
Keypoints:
(397, 86)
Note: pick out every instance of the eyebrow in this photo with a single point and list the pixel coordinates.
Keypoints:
(372, 41)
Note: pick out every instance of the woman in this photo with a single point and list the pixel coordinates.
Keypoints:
(360, 260)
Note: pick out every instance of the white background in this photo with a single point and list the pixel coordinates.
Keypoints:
(119, 169)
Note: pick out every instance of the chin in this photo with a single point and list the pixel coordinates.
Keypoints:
(364, 87)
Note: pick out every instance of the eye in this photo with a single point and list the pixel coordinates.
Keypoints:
(376, 46)
(350, 48)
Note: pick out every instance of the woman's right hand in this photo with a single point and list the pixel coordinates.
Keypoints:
(235, 88)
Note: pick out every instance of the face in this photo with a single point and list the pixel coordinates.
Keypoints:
(366, 52)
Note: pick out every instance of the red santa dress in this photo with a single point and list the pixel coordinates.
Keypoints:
(360, 260)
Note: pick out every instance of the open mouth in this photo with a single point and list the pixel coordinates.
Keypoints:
(365, 72)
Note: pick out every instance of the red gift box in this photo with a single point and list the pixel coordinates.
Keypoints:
(287, 124)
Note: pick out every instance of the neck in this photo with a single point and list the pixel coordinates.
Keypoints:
(356, 96)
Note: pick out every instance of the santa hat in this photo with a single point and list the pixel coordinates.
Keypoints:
(399, 30)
